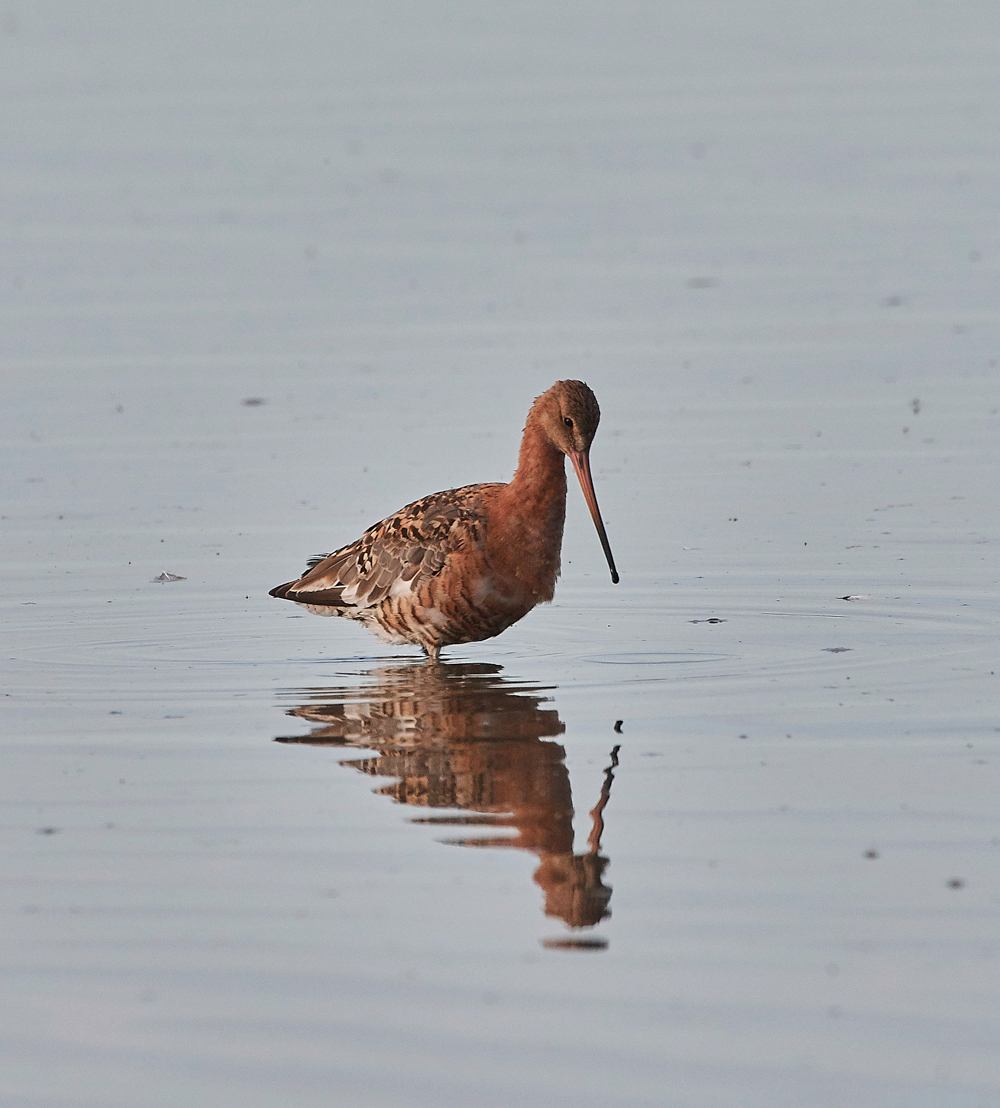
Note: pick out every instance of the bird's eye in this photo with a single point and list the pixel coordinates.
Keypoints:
(568, 421)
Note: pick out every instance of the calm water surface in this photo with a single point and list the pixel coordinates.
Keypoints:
(723, 835)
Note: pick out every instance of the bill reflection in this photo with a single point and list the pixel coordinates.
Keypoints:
(462, 738)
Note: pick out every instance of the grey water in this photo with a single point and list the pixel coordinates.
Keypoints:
(725, 834)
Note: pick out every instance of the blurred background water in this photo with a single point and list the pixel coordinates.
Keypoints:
(270, 271)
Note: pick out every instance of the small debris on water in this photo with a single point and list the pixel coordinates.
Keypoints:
(871, 853)
(47, 831)
(253, 401)
(164, 576)
(837, 649)
(956, 883)
(852, 596)
(714, 619)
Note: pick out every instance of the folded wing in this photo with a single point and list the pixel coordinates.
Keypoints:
(395, 556)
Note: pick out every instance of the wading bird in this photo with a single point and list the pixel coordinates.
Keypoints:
(464, 564)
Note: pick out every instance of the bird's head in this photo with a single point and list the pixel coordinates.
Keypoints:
(569, 414)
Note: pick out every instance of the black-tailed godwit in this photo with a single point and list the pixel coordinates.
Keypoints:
(464, 564)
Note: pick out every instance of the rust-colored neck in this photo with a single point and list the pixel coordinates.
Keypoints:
(541, 470)
(532, 513)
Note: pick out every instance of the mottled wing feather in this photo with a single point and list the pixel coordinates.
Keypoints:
(395, 556)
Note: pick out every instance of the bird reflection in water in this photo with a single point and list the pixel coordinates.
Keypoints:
(461, 737)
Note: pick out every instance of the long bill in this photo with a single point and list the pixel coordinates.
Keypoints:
(581, 463)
